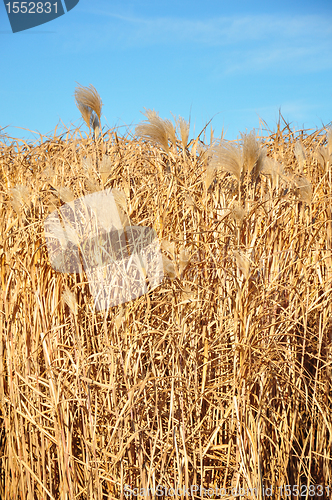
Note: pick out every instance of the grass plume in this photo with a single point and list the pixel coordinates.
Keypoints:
(89, 103)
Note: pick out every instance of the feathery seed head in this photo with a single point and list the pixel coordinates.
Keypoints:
(238, 213)
(259, 166)
(48, 174)
(105, 168)
(70, 299)
(89, 103)
(243, 263)
(184, 131)
(169, 268)
(65, 194)
(227, 157)
(209, 175)
(183, 126)
(251, 150)
(168, 246)
(189, 200)
(156, 130)
(20, 195)
(323, 156)
(273, 169)
(300, 154)
(183, 259)
(303, 188)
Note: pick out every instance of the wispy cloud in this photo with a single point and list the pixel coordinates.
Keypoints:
(243, 43)
(301, 58)
(221, 31)
(298, 108)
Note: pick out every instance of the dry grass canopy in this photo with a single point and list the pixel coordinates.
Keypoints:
(221, 376)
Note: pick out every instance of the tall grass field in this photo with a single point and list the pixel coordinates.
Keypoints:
(217, 383)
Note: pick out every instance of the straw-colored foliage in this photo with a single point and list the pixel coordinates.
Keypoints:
(221, 376)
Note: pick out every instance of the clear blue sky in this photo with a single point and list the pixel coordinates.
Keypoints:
(237, 60)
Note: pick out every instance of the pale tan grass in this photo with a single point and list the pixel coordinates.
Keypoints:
(220, 376)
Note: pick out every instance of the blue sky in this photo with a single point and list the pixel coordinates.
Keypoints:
(235, 61)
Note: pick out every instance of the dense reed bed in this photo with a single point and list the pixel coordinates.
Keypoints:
(218, 378)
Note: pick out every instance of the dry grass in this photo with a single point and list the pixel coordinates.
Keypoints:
(219, 377)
